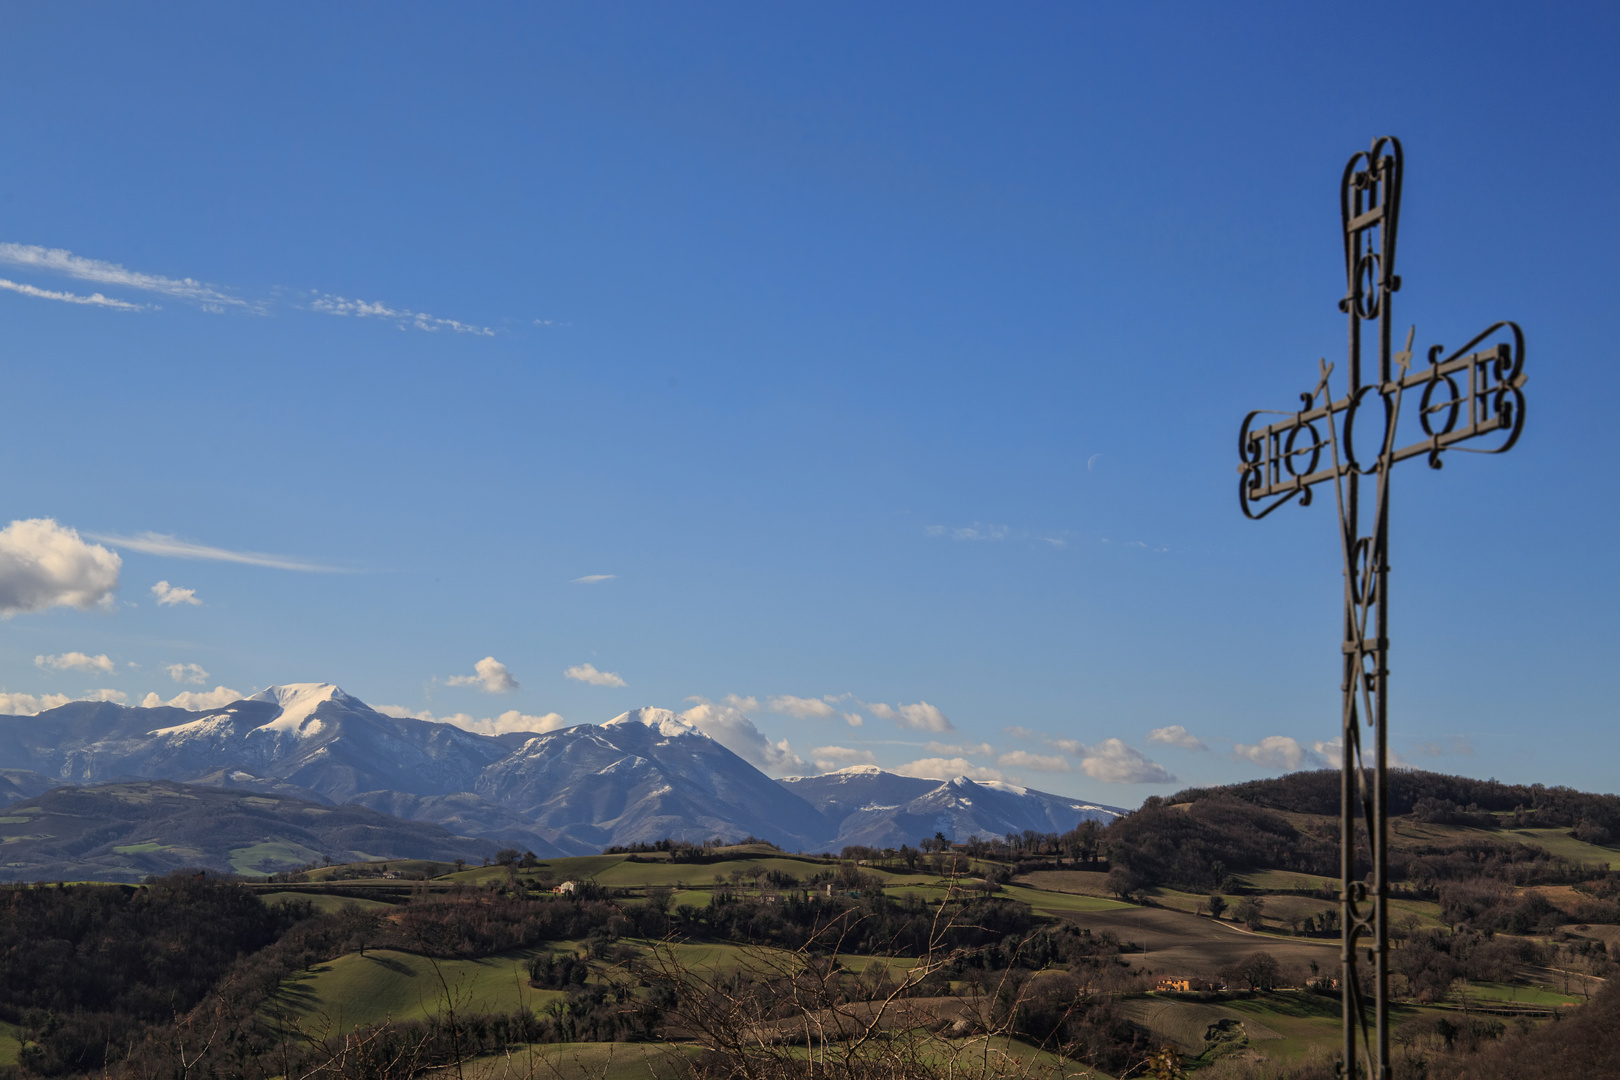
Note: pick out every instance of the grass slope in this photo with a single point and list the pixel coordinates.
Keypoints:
(355, 990)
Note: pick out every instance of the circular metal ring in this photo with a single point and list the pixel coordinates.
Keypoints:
(1452, 407)
(1350, 413)
(1314, 449)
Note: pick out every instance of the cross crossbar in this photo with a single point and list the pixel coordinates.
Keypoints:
(1281, 460)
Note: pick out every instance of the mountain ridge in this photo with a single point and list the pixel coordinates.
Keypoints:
(641, 776)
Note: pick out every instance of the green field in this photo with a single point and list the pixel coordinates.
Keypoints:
(10, 1044)
(581, 1061)
(1491, 993)
(285, 856)
(137, 849)
(325, 904)
(1559, 842)
(1303, 1020)
(377, 868)
(1055, 903)
(1275, 880)
(384, 984)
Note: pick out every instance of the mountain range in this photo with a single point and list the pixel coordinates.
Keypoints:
(642, 776)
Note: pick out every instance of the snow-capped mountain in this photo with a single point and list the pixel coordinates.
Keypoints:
(882, 809)
(641, 776)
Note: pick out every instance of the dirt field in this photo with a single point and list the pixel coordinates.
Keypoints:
(1180, 944)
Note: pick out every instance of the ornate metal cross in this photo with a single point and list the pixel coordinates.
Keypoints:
(1473, 393)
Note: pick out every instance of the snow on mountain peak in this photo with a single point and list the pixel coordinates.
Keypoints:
(663, 721)
(1001, 785)
(298, 702)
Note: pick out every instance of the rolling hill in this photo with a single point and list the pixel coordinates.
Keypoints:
(127, 831)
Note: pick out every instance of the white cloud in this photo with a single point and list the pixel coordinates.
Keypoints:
(742, 704)
(1113, 762)
(830, 758)
(1073, 747)
(43, 565)
(919, 717)
(195, 700)
(93, 300)
(337, 305)
(187, 673)
(76, 661)
(1275, 752)
(170, 595)
(587, 673)
(801, 708)
(854, 719)
(1330, 754)
(400, 712)
(28, 704)
(1176, 735)
(976, 531)
(490, 676)
(939, 768)
(592, 579)
(1023, 759)
(960, 750)
(151, 543)
(731, 729)
(507, 722)
(1455, 744)
(58, 261)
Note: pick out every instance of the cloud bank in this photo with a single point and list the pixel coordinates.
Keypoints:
(187, 673)
(170, 596)
(43, 565)
(76, 661)
(587, 673)
(507, 722)
(731, 729)
(1176, 735)
(1275, 752)
(1023, 759)
(832, 758)
(1113, 762)
(801, 708)
(918, 717)
(941, 768)
(489, 675)
(196, 700)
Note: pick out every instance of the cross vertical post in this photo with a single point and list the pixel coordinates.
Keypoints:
(1284, 460)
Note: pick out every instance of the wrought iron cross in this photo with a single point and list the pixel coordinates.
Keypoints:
(1473, 393)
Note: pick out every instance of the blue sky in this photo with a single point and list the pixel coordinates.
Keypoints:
(882, 363)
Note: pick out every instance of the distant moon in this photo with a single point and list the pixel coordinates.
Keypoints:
(1092, 460)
